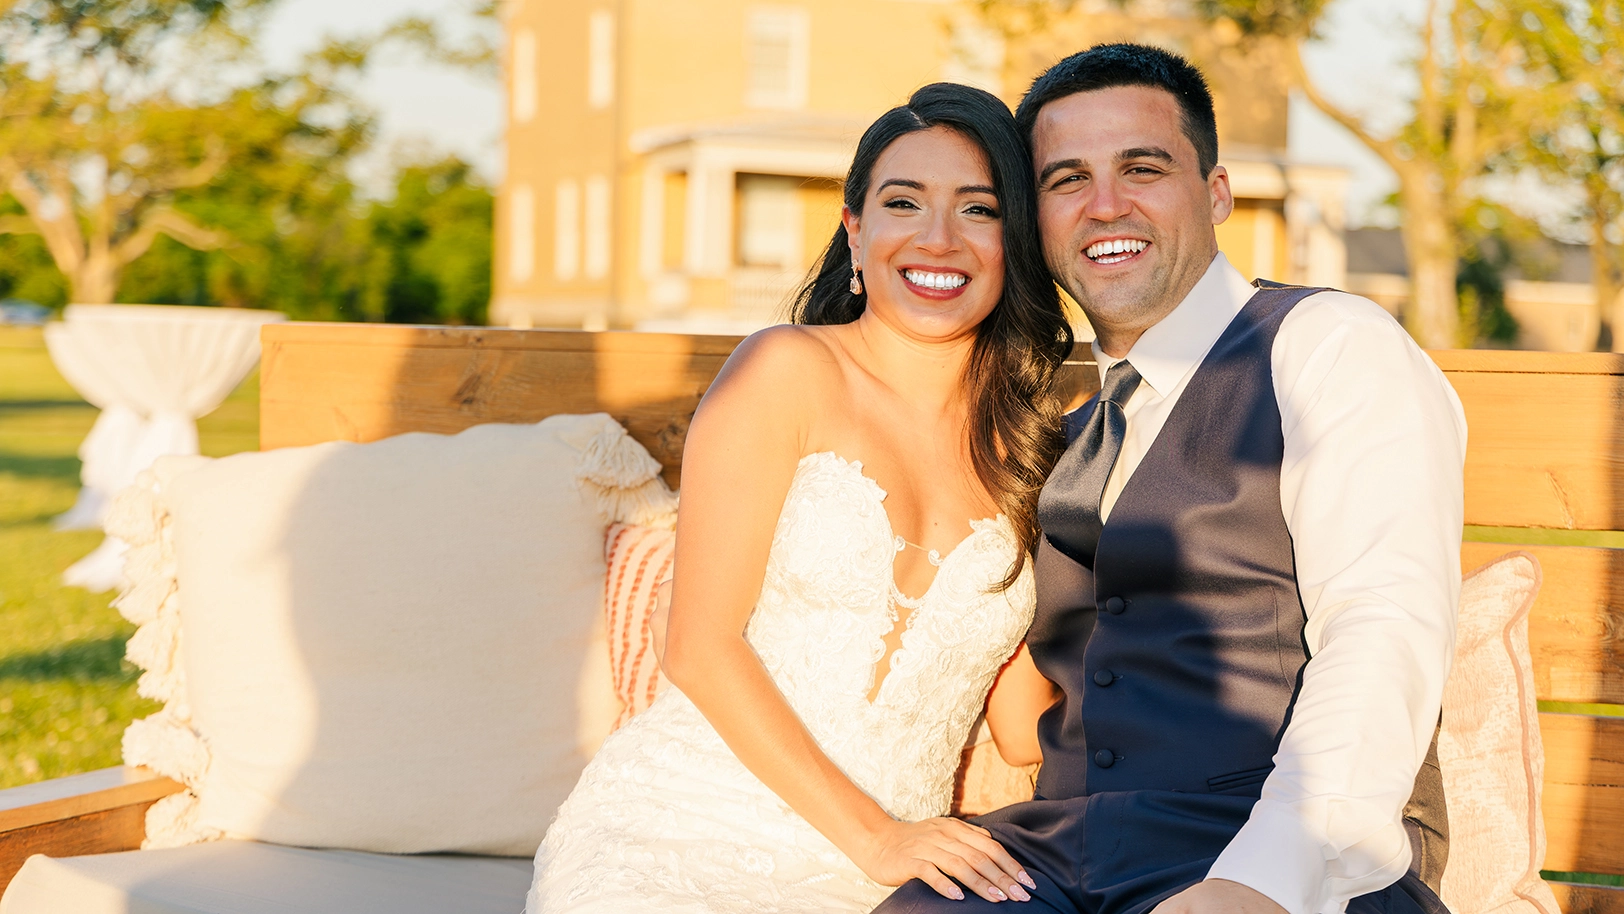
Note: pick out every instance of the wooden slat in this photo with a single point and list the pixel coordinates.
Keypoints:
(1546, 440)
(1588, 899)
(1576, 629)
(1510, 361)
(97, 822)
(361, 383)
(128, 786)
(1584, 793)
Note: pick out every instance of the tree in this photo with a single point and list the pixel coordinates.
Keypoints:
(432, 247)
(1469, 92)
(106, 121)
(1577, 134)
(1461, 118)
(421, 256)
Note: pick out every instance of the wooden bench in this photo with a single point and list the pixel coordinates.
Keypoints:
(1546, 451)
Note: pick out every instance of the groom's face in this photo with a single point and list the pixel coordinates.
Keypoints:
(1126, 215)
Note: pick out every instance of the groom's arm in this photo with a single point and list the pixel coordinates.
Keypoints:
(1371, 485)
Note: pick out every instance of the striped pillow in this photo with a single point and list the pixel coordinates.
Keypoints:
(639, 559)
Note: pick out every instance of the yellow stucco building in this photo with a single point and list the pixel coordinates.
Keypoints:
(674, 164)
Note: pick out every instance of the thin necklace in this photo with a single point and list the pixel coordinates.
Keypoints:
(931, 555)
(902, 599)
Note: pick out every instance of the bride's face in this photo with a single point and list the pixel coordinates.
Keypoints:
(930, 240)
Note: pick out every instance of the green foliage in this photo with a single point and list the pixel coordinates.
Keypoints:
(1576, 137)
(1270, 18)
(1494, 241)
(432, 248)
(114, 111)
(1482, 292)
(148, 130)
(318, 253)
(26, 269)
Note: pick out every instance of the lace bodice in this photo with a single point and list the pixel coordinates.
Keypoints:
(666, 818)
(826, 608)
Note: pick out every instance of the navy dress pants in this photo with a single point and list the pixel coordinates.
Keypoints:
(1124, 853)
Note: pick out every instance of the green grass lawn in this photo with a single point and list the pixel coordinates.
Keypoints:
(66, 692)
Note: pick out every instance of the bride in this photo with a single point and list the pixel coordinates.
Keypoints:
(838, 615)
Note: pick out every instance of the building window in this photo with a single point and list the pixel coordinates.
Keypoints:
(524, 76)
(567, 231)
(600, 59)
(777, 57)
(597, 227)
(521, 234)
(770, 222)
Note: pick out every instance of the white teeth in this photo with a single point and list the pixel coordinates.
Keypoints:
(935, 280)
(1109, 249)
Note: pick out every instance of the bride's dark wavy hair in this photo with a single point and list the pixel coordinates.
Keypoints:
(1014, 426)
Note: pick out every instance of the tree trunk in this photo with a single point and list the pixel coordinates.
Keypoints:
(95, 282)
(1433, 313)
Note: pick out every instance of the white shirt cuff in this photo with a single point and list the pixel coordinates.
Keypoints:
(1276, 855)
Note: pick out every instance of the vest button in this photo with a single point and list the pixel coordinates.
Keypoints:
(1105, 758)
(1104, 677)
(1115, 605)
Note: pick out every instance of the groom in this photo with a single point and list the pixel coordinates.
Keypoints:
(1248, 580)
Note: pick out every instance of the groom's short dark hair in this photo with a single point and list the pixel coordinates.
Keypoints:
(1106, 66)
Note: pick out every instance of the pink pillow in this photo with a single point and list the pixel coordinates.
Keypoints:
(1489, 749)
(639, 558)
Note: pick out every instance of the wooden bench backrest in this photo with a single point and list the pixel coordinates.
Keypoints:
(1546, 450)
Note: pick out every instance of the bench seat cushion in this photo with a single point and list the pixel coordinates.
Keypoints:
(246, 877)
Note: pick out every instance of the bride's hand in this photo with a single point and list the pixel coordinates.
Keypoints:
(935, 849)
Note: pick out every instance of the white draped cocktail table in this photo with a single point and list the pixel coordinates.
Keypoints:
(152, 370)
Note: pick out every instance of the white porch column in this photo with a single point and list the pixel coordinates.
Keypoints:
(652, 235)
(709, 242)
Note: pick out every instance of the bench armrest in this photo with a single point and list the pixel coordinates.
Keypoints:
(93, 813)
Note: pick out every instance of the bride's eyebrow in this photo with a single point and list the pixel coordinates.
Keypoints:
(901, 182)
(977, 189)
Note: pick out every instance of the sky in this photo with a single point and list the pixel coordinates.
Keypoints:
(426, 109)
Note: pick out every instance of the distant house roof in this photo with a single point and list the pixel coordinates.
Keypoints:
(1378, 250)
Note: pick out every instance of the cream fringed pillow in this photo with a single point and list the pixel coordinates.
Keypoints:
(389, 647)
(1489, 749)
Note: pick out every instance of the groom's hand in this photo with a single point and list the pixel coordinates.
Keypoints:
(1219, 896)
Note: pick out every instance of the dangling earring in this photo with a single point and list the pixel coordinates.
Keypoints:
(856, 285)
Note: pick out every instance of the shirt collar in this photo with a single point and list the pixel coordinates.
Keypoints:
(1168, 351)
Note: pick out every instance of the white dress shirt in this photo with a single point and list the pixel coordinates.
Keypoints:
(1371, 489)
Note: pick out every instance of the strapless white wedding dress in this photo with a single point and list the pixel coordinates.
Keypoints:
(666, 819)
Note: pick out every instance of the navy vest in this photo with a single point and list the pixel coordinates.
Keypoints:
(1180, 651)
(1188, 629)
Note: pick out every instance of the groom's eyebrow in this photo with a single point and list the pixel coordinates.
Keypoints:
(1061, 165)
(1145, 152)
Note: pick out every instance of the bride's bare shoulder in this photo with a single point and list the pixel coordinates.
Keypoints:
(783, 358)
(770, 393)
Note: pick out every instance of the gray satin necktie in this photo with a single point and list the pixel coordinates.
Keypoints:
(1069, 505)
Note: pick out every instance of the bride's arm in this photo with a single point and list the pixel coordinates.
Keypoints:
(739, 459)
(1019, 697)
